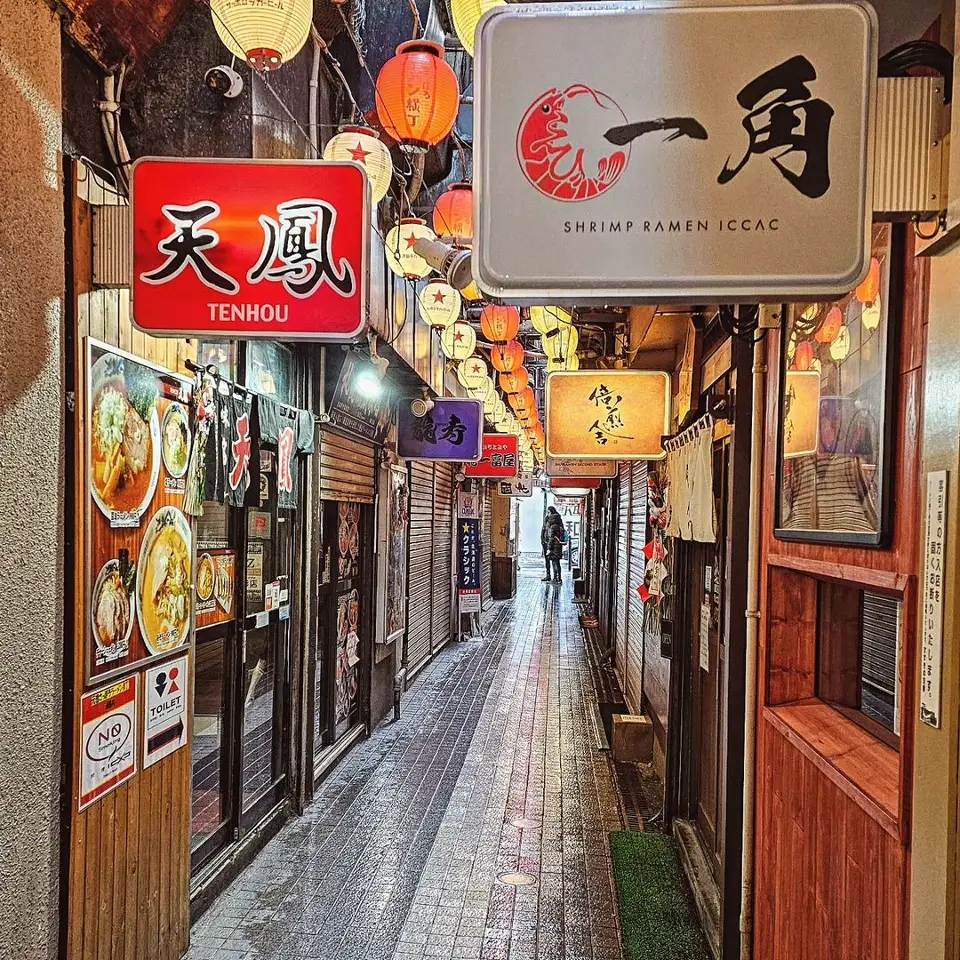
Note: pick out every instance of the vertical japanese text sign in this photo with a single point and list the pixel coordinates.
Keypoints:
(468, 554)
(241, 249)
(648, 163)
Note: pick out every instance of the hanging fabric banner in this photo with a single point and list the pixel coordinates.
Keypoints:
(692, 511)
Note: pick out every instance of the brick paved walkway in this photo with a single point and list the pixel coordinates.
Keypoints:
(401, 853)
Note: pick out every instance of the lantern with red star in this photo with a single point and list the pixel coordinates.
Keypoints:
(472, 373)
(440, 304)
(402, 259)
(363, 146)
(507, 357)
(498, 323)
(458, 341)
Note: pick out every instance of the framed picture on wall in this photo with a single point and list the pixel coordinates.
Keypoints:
(836, 416)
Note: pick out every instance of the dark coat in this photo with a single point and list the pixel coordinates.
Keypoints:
(552, 535)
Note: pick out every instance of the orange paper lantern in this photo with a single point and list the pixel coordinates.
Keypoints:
(507, 357)
(831, 326)
(418, 96)
(453, 212)
(523, 401)
(499, 324)
(804, 355)
(869, 290)
(514, 381)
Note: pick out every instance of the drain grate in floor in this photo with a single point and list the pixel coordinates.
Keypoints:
(641, 793)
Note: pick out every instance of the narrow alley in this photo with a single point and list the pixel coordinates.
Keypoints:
(474, 827)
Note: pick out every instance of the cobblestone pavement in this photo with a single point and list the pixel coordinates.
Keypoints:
(493, 769)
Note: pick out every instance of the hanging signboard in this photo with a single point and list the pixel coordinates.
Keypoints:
(643, 165)
(164, 710)
(468, 565)
(452, 430)
(581, 468)
(934, 565)
(520, 486)
(499, 457)
(139, 574)
(607, 414)
(108, 739)
(248, 248)
(468, 505)
(354, 411)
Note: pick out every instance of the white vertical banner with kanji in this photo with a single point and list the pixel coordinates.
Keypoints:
(931, 662)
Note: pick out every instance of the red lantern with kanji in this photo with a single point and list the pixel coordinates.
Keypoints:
(507, 357)
(418, 96)
(499, 324)
(804, 356)
(831, 326)
(515, 380)
(523, 401)
(453, 213)
(869, 290)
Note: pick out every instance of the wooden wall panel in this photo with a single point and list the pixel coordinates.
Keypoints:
(129, 869)
(793, 630)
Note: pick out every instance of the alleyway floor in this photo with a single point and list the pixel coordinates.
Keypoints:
(474, 828)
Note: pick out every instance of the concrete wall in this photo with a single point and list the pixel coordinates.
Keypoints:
(31, 482)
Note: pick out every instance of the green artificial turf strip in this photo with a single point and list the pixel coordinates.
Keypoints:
(657, 915)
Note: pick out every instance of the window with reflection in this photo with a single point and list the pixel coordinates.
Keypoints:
(836, 410)
(270, 370)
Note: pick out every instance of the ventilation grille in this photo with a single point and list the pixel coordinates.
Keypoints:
(111, 246)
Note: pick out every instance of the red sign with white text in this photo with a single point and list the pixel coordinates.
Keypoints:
(498, 459)
(239, 249)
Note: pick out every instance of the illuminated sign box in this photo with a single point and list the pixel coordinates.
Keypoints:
(500, 457)
(607, 414)
(624, 154)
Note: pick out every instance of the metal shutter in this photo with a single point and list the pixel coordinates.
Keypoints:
(420, 568)
(347, 468)
(486, 550)
(623, 573)
(880, 637)
(442, 554)
(638, 537)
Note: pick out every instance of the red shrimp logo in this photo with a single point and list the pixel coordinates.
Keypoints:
(561, 143)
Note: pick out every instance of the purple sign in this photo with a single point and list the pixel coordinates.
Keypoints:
(452, 430)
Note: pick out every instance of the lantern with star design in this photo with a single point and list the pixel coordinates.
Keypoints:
(266, 36)
(440, 304)
(402, 259)
(363, 146)
(499, 323)
(507, 357)
(458, 341)
(472, 372)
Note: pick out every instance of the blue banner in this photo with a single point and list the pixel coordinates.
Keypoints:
(468, 551)
(452, 430)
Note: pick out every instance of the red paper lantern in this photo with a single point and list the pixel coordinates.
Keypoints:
(453, 213)
(804, 356)
(514, 381)
(831, 326)
(418, 96)
(869, 290)
(507, 357)
(499, 324)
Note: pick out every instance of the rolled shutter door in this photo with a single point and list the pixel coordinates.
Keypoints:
(442, 554)
(623, 572)
(638, 536)
(419, 621)
(348, 468)
(486, 539)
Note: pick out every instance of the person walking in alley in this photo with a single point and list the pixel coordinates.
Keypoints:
(553, 535)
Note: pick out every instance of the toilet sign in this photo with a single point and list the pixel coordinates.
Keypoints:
(165, 710)
(108, 739)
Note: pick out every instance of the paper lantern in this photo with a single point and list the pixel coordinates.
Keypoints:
(524, 400)
(514, 380)
(871, 315)
(458, 341)
(507, 357)
(453, 212)
(499, 324)
(490, 404)
(418, 96)
(472, 372)
(869, 290)
(363, 146)
(483, 391)
(440, 304)
(561, 342)
(558, 364)
(466, 15)
(804, 355)
(401, 257)
(841, 345)
(831, 326)
(264, 35)
(548, 319)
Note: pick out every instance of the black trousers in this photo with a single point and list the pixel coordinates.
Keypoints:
(555, 561)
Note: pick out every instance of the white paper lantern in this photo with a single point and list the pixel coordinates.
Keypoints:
(265, 35)
(458, 341)
(401, 257)
(871, 315)
(472, 372)
(363, 146)
(440, 304)
(841, 345)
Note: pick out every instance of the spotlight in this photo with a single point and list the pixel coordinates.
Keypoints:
(367, 381)
(452, 264)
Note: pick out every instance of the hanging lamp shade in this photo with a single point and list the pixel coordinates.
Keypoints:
(869, 290)
(466, 15)
(401, 257)
(831, 326)
(417, 96)
(499, 324)
(472, 372)
(548, 319)
(514, 380)
(363, 146)
(440, 304)
(507, 357)
(453, 212)
(265, 35)
(458, 341)
(561, 342)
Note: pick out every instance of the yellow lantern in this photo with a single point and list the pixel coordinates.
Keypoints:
(440, 304)
(871, 315)
(265, 35)
(483, 390)
(841, 345)
(562, 342)
(458, 341)
(401, 257)
(363, 146)
(548, 319)
(490, 405)
(466, 15)
(472, 372)
(558, 364)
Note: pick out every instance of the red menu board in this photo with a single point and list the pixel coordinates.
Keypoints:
(498, 459)
(139, 542)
